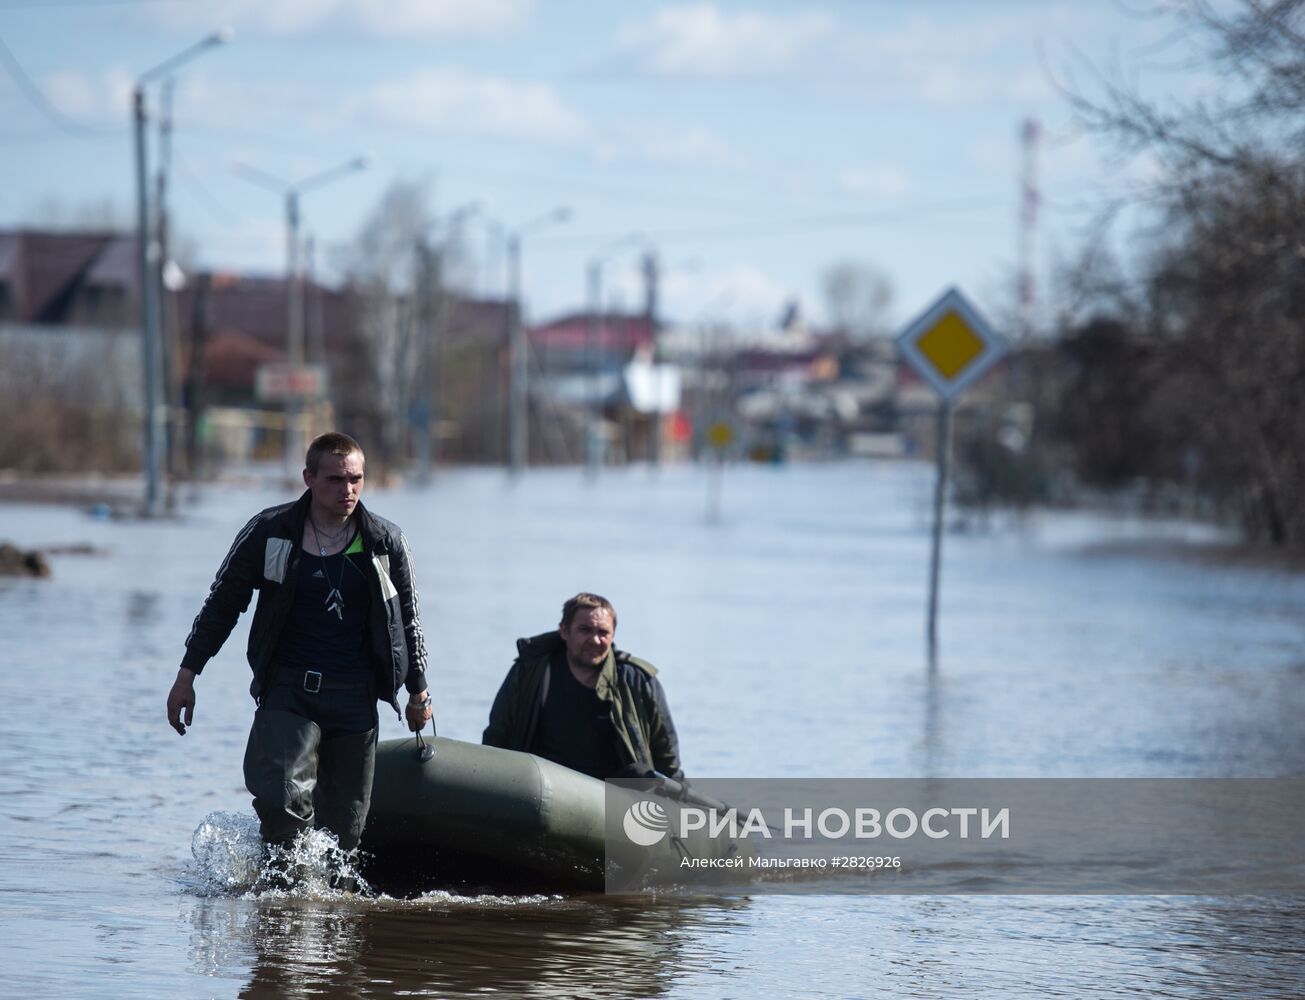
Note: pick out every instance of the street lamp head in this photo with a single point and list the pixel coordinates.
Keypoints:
(558, 215)
(169, 65)
(637, 238)
(292, 190)
(260, 177)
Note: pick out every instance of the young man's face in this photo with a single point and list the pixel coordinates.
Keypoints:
(337, 485)
(588, 637)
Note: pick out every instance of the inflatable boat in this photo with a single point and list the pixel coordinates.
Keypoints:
(481, 815)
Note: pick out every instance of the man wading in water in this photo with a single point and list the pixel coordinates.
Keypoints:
(336, 627)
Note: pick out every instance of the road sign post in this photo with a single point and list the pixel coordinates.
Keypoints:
(720, 435)
(951, 346)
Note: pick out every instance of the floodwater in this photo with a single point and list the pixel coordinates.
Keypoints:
(789, 633)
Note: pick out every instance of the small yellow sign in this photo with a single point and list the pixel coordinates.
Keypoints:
(720, 434)
(951, 345)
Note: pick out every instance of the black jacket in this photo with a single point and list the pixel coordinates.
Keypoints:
(636, 703)
(264, 557)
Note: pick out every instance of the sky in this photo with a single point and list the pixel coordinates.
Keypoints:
(754, 144)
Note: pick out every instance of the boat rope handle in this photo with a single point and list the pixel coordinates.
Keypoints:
(424, 750)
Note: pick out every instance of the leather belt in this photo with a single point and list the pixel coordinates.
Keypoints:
(315, 682)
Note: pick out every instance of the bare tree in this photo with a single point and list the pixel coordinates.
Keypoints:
(857, 298)
(1220, 315)
(103, 214)
(380, 268)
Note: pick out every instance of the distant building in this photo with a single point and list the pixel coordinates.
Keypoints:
(70, 350)
(583, 341)
(239, 323)
(68, 279)
(604, 360)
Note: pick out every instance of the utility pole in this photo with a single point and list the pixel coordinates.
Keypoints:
(518, 394)
(650, 279)
(427, 283)
(431, 315)
(518, 345)
(294, 329)
(161, 275)
(147, 256)
(597, 315)
(294, 295)
(594, 281)
(201, 321)
(146, 253)
(314, 318)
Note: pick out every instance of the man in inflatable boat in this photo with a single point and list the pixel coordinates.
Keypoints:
(336, 628)
(572, 698)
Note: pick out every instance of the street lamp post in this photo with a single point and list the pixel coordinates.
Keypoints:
(651, 275)
(291, 192)
(147, 253)
(433, 325)
(518, 391)
(597, 315)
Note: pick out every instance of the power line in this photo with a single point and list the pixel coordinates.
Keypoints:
(211, 203)
(801, 224)
(45, 4)
(37, 99)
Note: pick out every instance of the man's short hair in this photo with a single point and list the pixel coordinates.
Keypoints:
(330, 443)
(584, 601)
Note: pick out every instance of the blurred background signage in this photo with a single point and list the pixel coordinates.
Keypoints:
(282, 383)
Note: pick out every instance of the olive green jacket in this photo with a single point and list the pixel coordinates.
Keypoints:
(641, 719)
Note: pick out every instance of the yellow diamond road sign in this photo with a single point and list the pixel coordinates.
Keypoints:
(951, 345)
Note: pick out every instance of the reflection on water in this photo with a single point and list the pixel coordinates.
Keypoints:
(450, 946)
(790, 639)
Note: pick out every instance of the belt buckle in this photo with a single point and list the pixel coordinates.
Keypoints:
(315, 678)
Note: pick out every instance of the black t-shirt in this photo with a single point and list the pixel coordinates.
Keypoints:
(326, 629)
(575, 728)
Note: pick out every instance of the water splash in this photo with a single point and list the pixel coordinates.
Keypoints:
(228, 853)
(231, 859)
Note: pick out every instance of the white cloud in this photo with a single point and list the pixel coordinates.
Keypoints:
(102, 95)
(668, 146)
(962, 85)
(454, 100)
(377, 18)
(203, 97)
(450, 99)
(881, 180)
(964, 61)
(740, 293)
(704, 41)
(210, 96)
(442, 100)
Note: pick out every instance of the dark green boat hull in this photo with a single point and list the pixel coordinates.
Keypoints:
(499, 816)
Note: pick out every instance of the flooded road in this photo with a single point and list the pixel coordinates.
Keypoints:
(789, 636)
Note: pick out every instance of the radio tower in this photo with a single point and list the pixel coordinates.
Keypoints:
(1029, 199)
